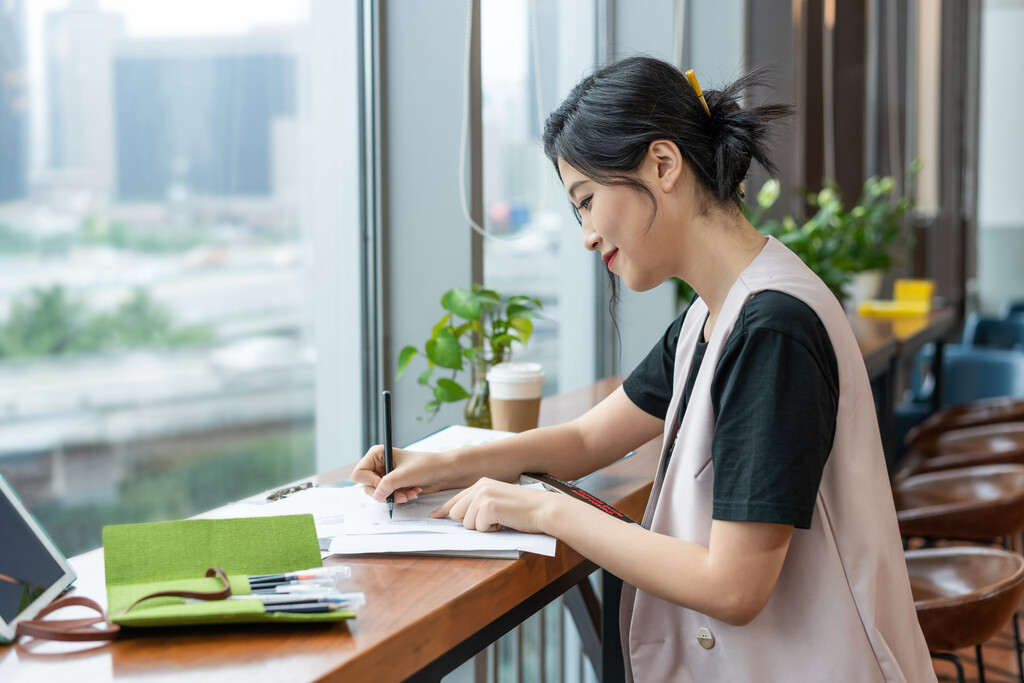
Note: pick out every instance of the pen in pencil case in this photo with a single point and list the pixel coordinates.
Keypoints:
(554, 484)
(297, 587)
(303, 609)
(338, 570)
(349, 600)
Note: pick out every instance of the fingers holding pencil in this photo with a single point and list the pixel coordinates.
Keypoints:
(411, 476)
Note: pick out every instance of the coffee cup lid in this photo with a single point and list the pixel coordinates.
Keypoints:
(515, 372)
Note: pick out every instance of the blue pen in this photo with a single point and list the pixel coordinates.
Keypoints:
(389, 459)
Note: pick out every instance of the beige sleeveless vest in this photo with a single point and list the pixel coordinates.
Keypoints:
(842, 609)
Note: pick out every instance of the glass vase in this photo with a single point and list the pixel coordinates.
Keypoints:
(478, 405)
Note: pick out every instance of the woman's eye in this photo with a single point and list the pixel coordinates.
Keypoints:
(585, 204)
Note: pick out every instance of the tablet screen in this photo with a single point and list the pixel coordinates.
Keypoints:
(32, 570)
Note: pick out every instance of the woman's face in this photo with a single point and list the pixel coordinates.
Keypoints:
(616, 222)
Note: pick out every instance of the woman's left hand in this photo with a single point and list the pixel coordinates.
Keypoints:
(489, 505)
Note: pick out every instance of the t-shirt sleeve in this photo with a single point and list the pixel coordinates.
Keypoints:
(649, 386)
(775, 395)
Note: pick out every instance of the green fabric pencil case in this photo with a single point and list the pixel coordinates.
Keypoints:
(142, 559)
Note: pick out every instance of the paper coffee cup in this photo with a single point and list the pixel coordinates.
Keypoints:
(515, 390)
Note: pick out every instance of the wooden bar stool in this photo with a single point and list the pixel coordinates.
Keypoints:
(974, 504)
(922, 437)
(990, 438)
(994, 444)
(963, 597)
(971, 503)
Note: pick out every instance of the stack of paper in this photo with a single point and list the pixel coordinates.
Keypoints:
(349, 522)
(411, 530)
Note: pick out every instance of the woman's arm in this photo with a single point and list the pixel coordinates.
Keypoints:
(730, 580)
(600, 436)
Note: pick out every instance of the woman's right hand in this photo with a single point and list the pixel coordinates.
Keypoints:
(414, 473)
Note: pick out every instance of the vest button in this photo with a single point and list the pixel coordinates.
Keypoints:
(705, 638)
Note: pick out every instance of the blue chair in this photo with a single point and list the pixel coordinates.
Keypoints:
(1016, 323)
(1013, 307)
(972, 373)
(969, 373)
(980, 386)
(997, 333)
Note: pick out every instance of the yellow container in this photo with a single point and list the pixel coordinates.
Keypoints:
(913, 290)
(893, 309)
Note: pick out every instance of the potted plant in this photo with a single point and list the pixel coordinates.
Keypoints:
(476, 331)
(838, 244)
(817, 241)
(873, 225)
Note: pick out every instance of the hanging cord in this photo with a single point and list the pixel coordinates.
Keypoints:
(892, 83)
(828, 88)
(464, 142)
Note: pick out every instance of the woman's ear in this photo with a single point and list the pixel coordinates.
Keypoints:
(667, 161)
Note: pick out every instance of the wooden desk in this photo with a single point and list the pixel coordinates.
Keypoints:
(423, 617)
(877, 343)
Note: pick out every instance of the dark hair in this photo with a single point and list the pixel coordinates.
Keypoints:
(605, 125)
(607, 122)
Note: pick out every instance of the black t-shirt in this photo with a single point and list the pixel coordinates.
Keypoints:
(775, 396)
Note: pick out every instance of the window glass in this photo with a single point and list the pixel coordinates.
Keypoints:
(156, 310)
(530, 51)
(1000, 240)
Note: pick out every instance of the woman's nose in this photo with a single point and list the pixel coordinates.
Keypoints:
(591, 240)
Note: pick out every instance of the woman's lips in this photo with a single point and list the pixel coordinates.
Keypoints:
(609, 257)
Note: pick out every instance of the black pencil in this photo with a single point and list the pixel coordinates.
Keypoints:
(389, 461)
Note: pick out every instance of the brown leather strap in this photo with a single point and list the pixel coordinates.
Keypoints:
(85, 629)
(69, 629)
(221, 594)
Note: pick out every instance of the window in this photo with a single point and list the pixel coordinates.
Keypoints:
(530, 51)
(159, 233)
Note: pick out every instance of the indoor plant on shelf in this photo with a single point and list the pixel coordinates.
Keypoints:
(872, 227)
(835, 243)
(477, 331)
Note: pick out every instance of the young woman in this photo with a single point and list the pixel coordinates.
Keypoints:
(771, 526)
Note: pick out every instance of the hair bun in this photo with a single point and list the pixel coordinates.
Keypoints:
(732, 143)
(740, 135)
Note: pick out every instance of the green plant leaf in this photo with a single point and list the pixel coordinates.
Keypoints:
(424, 378)
(488, 295)
(448, 390)
(404, 357)
(768, 194)
(519, 311)
(523, 326)
(462, 303)
(445, 351)
(522, 300)
(441, 324)
(501, 343)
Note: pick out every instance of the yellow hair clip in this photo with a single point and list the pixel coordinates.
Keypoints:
(692, 78)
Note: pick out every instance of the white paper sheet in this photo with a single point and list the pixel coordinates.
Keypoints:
(411, 530)
(357, 524)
